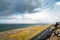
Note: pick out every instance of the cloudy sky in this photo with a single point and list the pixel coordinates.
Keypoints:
(29, 11)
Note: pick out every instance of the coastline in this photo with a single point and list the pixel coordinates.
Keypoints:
(23, 33)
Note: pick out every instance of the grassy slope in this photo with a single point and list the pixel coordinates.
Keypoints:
(23, 34)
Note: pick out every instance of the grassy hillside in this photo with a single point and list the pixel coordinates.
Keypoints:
(22, 34)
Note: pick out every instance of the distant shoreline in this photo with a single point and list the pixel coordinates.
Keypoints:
(5, 27)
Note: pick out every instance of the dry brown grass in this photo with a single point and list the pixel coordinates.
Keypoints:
(23, 34)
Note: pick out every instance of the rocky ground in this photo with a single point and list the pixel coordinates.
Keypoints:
(56, 33)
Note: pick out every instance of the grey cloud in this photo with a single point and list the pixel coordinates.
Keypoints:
(12, 7)
(9, 7)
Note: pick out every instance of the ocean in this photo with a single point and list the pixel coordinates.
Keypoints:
(4, 27)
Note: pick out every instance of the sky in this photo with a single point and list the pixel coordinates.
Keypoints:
(29, 11)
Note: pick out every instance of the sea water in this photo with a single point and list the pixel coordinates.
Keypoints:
(4, 27)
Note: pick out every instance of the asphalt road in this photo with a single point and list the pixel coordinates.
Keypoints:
(43, 35)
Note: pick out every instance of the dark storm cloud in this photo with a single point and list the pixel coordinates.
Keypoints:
(4, 7)
(9, 7)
